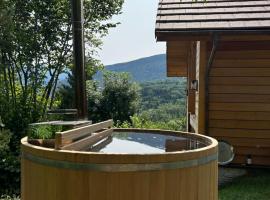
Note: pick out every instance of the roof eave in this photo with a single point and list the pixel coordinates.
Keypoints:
(201, 35)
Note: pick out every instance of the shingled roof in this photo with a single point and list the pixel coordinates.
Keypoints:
(187, 16)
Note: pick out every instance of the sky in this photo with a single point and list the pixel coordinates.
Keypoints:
(135, 37)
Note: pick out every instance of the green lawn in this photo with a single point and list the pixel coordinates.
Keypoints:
(254, 186)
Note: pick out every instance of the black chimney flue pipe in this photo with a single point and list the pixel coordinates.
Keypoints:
(79, 58)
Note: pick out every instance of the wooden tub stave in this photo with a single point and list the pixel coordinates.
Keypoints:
(68, 175)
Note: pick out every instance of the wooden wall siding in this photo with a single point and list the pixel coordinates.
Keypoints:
(239, 99)
(177, 58)
(257, 160)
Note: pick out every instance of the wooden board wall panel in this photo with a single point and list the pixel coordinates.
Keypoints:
(239, 133)
(234, 115)
(239, 89)
(240, 107)
(254, 54)
(245, 37)
(241, 63)
(174, 73)
(253, 151)
(239, 98)
(244, 45)
(240, 72)
(179, 51)
(177, 58)
(247, 142)
(239, 124)
(237, 81)
(256, 160)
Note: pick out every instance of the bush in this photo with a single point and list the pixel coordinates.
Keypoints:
(140, 122)
(9, 165)
(118, 100)
(43, 131)
(6, 197)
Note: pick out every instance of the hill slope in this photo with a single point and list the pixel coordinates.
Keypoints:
(144, 69)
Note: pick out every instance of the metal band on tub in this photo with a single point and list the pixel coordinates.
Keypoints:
(119, 167)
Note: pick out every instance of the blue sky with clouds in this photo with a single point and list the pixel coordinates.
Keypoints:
(135, 36)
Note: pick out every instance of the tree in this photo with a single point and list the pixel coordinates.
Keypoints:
(36, 48)
(118, 100)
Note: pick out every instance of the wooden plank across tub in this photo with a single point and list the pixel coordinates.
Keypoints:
(80, 138)
(88, 141)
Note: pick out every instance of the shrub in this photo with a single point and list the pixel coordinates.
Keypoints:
(118, 100)
(9, 165)
(141, 122)
(6, 197)
(43, 131)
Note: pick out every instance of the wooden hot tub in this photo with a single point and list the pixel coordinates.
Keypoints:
(170, 169)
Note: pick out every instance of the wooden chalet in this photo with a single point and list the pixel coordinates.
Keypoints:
(223, 48)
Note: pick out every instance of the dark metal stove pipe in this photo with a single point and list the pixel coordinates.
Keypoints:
(79, 59)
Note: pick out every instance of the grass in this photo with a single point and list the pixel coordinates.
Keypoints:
(254, 186)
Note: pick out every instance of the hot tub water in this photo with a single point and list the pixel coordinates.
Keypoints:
(145, 143)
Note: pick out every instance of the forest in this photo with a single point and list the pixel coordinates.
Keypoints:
(163, 104)
(36, 50)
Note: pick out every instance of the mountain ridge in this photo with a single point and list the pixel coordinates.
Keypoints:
(142, 70)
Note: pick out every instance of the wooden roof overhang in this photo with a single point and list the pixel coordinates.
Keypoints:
(181, 21)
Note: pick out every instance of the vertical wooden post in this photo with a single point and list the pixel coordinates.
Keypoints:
(79, 59)
(191, 76)
(202, 48)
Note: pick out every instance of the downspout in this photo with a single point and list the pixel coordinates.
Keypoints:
(207, 74)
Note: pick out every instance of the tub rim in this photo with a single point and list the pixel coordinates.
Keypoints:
(212, 142)
(124, 158)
